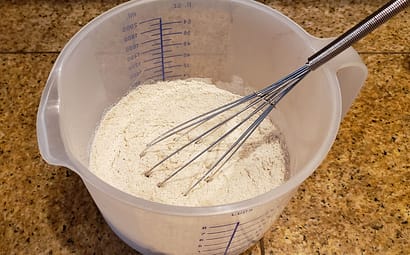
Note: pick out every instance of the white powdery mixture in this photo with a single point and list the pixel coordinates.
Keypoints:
(148, 111)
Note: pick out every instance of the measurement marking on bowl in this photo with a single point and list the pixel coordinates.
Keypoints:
(217, 238)
(223, 231)
(232, 237)
(230, 240)
(160, 45)
(218, 226)
(214, 244)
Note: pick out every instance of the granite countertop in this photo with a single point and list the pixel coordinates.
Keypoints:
(356, 202)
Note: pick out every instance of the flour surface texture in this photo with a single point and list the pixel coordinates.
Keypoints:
(148, 111)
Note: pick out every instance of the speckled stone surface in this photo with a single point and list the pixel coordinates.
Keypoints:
(357, 201)
(324, 19)
(45, 26)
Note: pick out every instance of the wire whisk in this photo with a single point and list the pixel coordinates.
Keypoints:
(263, 101)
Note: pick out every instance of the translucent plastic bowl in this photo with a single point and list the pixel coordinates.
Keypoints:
(215, 39)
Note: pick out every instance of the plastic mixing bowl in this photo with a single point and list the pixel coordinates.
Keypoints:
(149, 40)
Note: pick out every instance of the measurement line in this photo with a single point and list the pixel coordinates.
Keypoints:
(173, 66)
(250, 229)
(174, 33)
(162, 49)
(257, 230)
(240, 240)
(225, 225)
(242, 246)
(215, 244)
(152, 40)
(248, 234)
(151, 68)
(168, 28)
(174, 56)
(172, 22)
(254, 226)
(218, 232)
(172, 44)
(144, 52)
(230, 240)
(243, 242)
(151, 30)
(236, 247)
(154, 76)
(216, 238)
(149, 20)
(148, 60)
(161, 53)
(215, 249)
(255, 219)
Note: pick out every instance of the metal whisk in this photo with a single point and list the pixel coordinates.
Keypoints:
(262, 102)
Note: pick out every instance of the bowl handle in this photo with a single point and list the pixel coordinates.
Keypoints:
(350, 70)
(49, 138)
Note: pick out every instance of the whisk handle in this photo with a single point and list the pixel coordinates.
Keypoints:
(357, 32)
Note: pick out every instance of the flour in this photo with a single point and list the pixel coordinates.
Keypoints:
(148, 111)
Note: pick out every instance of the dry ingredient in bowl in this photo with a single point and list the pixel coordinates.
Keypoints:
(149, 110)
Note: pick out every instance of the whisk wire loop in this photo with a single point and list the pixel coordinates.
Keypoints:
(250, 115)
(234, 147)
(200, 119)
(202, 135)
